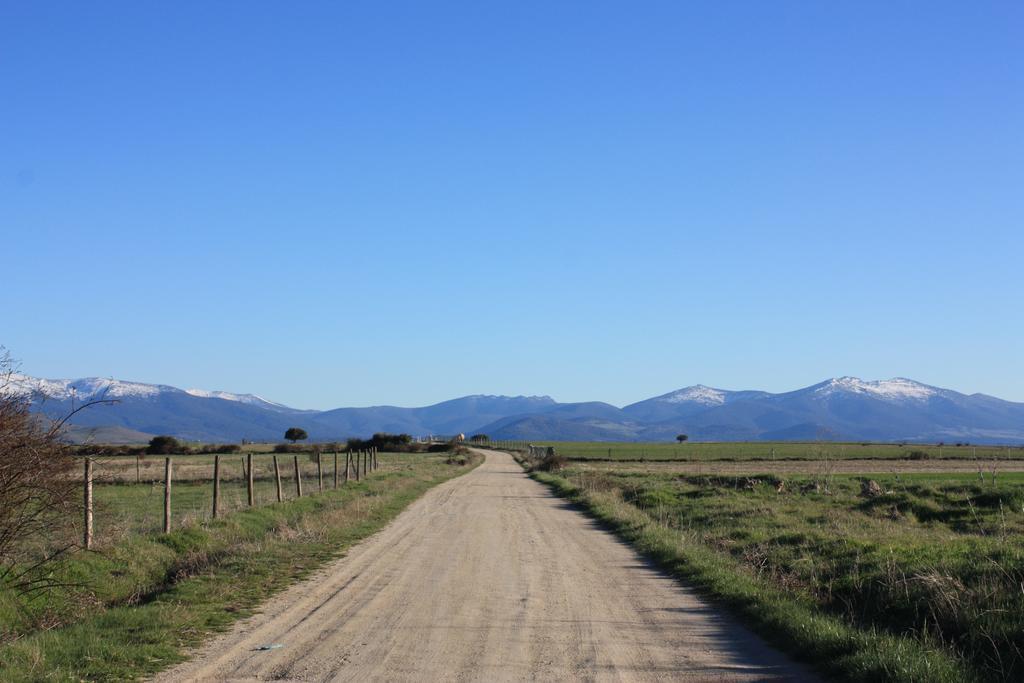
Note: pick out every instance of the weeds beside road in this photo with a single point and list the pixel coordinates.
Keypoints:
(919, 579)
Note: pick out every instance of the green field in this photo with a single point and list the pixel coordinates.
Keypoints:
(134, 605)
(918, 580)
(129, 492)
(784, 450)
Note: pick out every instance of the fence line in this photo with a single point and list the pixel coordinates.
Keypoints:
(364, 463)
(499, 445)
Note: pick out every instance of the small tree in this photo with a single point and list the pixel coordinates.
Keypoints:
(681, 438)
(163, 445)
(296, 434)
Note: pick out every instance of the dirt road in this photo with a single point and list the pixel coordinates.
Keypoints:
(489, 577)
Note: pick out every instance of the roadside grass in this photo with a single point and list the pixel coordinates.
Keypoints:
(783, 450)
(921, 582)
(134, 607)
(123, 508)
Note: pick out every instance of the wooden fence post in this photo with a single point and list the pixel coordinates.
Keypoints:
(167, 495)
(335, 469)
(348, 465)
(298, 477)
(87, 490)
(277, 478)
(138, 470)
(320, 471)
(216, 484)
(249, 481)
(366, 462)
(355, 458)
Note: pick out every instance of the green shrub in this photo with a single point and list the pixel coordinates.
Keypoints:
(163, 445)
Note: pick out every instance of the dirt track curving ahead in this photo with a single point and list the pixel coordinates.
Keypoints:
(488, 577)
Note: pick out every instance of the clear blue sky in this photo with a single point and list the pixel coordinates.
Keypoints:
(360, 203)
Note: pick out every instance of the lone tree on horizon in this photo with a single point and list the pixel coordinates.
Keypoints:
(163, 445)
(681, 438)
(296, 434)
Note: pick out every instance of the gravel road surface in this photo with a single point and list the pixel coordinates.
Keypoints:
(488, 577)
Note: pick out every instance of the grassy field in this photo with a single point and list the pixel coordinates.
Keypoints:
(979, 468)
(786, 450)
(133, 606)
(129, 492)
(918, 579)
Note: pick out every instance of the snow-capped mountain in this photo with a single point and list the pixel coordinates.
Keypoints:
(696, 394)
(896, 409)
(134, 408)
(200, 415)
(684, 402)
(86, 389)
(843, 408)
(251, 399)
(98, 388)
(896, 389)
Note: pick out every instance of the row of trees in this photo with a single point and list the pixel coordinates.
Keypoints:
(380, 441)
(167, 445)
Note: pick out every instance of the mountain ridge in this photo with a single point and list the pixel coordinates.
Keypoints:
(896, 409)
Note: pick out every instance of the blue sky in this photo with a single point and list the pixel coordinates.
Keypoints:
(362, 203)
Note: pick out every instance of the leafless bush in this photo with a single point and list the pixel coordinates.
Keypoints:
(37, 495)
(551, 462)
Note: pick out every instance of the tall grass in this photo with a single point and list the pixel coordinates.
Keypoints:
(921, 583)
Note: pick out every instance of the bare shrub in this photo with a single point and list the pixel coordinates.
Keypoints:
(38, 497)
(551, 462)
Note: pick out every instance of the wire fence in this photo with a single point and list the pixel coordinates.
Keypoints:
(133, 494)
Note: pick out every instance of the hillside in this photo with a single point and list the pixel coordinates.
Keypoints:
(844, 408)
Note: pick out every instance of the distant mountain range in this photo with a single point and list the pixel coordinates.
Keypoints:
(845, 408)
